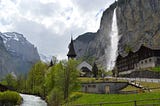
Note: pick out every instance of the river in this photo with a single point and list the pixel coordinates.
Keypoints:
(30, 100)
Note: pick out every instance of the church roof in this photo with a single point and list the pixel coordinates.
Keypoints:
(71, 52)
(84, 64)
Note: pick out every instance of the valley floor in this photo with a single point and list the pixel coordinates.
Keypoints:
(142, 98)
(117, 99)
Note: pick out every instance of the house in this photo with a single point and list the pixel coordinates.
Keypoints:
(3, 88)
(144, 57)
(85, 69)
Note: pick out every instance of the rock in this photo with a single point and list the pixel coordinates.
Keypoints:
(138, 23)
(19, 55)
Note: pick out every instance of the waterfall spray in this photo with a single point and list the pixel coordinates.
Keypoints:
(114, 38)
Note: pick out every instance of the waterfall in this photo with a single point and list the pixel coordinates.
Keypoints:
(114, 38)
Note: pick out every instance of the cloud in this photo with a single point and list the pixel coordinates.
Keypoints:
(48, 24)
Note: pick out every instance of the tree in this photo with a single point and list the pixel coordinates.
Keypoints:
(10, 81)
(36, 78)
(95, 70)
(63, 79)
(70, 75)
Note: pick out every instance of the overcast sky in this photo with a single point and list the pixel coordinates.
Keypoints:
(48, 24)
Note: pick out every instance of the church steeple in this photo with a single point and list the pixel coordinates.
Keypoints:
(71, 53)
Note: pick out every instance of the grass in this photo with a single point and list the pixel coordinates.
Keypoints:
(90, 80)
(101, 98)
(130, 88)
(85, 98)
(149, 85)
(10, 97)
(156, 69)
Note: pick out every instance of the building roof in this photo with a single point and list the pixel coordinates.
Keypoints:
(84, 64)
(71, 52)
(3, 88)
(134, 51)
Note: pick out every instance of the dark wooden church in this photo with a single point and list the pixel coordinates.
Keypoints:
(143, 58)
(71, 53)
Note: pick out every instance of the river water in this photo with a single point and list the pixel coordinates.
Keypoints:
(30, 100)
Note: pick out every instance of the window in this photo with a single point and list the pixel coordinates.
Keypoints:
(150, 60)
(142, 62)
(145, 61)
(94, 86)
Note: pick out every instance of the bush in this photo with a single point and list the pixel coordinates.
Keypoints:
(75, 96)
(156, 69)
(10, 97)
(55, 98)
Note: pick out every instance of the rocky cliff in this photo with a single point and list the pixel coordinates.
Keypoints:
(17, 54)
(138, 23)
(97, 48)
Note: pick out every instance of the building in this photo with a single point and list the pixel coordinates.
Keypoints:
(85, 69)
(103, 87)
(3, 88)
(71, 53)
(143, 58)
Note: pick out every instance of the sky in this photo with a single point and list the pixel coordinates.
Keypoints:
(49, 24)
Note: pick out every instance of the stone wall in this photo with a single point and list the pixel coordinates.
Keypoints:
(103, 87)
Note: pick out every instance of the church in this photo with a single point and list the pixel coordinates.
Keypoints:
(143, 58)
(86, 70)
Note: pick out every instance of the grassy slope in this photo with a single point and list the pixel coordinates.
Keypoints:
(84, 98)
(97, 98)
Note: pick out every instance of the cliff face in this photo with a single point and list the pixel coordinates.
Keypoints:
(138, 23)
(97, 48)
(81, 44)
(6, 63)
(17, 54)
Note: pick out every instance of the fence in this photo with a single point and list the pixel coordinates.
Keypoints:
(145, 102)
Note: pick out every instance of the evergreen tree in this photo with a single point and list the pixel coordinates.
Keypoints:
(95, 70)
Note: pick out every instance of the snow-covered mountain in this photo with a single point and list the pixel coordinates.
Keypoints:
(21, 52)
(44, 58)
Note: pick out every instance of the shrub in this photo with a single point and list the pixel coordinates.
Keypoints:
(75, 96)
(10, 97)
(55, 98)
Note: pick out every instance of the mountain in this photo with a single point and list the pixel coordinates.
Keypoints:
(138, 23)
(17, 54)
(44, 58)
(82, 42)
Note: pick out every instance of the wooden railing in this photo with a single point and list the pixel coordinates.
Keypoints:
(145, 102)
